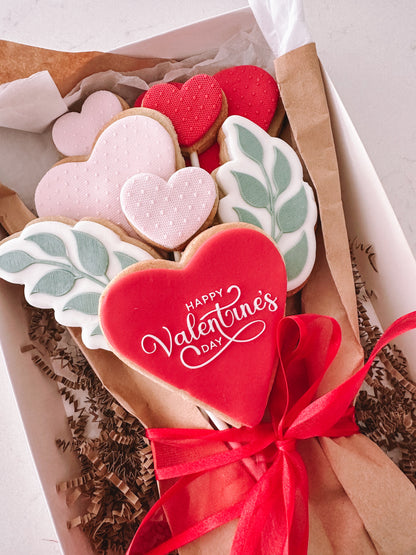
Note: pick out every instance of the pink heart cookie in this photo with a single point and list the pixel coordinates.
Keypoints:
(206, 325)
(169, 213)
(133, 143)
(74, 133)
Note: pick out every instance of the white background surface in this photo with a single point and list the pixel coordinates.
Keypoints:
(368, 49)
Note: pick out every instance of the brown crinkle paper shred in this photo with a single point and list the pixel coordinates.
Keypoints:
(116, 477)
(385, 407)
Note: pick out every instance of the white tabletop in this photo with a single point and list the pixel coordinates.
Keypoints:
(368, 49)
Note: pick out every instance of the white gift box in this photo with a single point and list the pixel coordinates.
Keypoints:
(368, 214)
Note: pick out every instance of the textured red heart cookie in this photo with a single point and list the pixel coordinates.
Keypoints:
(139, 99)
(252, 93)
(207, 324)
(197, 110)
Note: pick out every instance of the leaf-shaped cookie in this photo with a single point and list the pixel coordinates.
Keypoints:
(262, 184)
(66, 266)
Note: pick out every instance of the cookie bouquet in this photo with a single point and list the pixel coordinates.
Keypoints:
(191, 237)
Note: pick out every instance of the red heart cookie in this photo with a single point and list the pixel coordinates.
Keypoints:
(206, 325)
(252, 93)
(139, 99)
(196, 109)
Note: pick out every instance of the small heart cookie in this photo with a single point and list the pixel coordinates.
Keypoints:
(206, 325)
(74, 133)
(197, 110)
(169, 213)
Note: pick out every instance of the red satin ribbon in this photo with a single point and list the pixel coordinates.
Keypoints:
(209, 478)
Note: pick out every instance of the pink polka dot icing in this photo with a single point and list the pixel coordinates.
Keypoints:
(91, 188)
(169, 213)
(74, 133)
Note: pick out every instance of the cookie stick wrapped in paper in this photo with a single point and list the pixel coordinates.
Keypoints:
(302, 91)
(357, 463)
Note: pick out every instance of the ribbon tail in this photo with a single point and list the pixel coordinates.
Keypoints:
(274, 518)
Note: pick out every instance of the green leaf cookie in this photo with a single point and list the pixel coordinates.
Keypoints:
(67, 267)
(262, 184)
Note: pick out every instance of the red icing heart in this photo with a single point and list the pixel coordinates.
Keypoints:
(193, 108)
(252, 93)
(207, 325)
(139, 99)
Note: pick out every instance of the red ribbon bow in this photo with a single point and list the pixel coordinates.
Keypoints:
(256, 474)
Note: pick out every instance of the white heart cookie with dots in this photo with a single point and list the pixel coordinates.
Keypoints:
(169, 213)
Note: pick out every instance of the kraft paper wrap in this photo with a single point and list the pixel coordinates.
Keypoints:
(360, 502)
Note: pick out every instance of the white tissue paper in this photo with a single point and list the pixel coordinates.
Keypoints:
(30, 104)
(282, 23)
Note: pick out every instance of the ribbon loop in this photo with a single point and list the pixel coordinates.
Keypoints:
(256, 474)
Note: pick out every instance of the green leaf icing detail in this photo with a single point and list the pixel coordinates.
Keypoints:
(252, 191)
(292, 214)
(55, 283)
(16, 261)
(87, 303)
(249, 144)
(282, 173)
(97, 331)
(49, 243)
(247, 217)
(295, 258)
(125, 260)
(92, 253)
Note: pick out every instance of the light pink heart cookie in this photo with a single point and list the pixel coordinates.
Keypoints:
(74, 133)
(169, 213)
(133, 143)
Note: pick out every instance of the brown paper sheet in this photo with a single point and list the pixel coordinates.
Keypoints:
(66, 68)
(347, 499)
(303, 94)
(352, 482)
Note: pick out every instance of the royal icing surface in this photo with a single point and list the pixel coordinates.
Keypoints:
(139, 99)
(91, 188)
(74, 133)
(169, 213)
(193, 108)
(66, 268)
(263, 186)
(208, 325)
(252, 93)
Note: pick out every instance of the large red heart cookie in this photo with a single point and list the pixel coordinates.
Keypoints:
(197, 109)
(206, 325)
